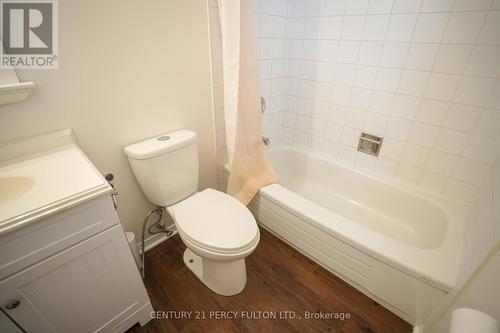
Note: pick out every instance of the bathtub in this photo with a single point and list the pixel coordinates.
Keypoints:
(396, 245)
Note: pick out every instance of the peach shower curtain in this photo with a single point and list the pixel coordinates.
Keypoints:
(250, 165)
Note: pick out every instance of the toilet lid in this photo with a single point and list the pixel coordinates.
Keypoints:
(216, 221)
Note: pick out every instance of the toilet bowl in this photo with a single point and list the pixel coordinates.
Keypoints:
(219, 232)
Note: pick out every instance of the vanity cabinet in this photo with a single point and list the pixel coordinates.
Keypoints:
(72, 272)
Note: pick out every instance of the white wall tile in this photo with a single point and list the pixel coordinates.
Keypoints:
(482, 149)
(464, 27)
(432, 111)
(348, 51)
(331, 148)
(489, 124)
(386, 167)
(344, 73)
(432, 182)
(312, 28)
(494, 99)
(267, 7)
(353, 27)
(365, 162)
(423, 134)
(334, 132)
(398, 128)
(381, 102)
(421, 56)
(484, 61)
(474, 90)
(405, 106)
(310, 49)
(328, 50)
(297, 8)
(430, 27)
(356, 120)
(392, 148)
(408, 173)
(394, 54)
(370, 52)
(341, 94)
(347, 154)
(441, 86)
(441, 163)
(401, 27)
(280, 7)
(375, 27)
(365, 76)
(436, 5)
(266, 26)
(489, 33)
(462, 117)
(496, 198)
(350, 137)
(470, 171)
(451, 141)
(406, 6)
(295, 28)
(452, 58)
(472, 5)
(413, 82)
(314, 7)
(415, 155)
(380, 6)
(387, 79)
(376, 123)
(334, 7)
(356, 7)
(458, 190)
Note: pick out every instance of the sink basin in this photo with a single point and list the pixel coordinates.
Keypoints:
(14, 187)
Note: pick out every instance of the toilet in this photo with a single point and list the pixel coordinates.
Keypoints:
(219, 232)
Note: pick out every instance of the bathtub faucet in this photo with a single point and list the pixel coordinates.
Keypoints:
(266, 140)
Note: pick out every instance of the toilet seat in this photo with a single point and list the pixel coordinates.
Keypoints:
(217, 222)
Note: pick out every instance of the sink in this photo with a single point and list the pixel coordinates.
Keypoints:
(14, 187)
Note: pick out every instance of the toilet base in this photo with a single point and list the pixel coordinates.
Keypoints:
(226, 278)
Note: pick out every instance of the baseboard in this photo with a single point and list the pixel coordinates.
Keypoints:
(417, 329)
(155, 240)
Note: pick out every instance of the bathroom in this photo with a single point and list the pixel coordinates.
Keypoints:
(375, 198)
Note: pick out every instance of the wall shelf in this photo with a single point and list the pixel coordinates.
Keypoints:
(11, 90)
(15, 92)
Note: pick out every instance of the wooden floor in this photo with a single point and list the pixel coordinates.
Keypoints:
(279, 279)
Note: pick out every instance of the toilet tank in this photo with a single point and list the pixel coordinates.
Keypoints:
(166, 166)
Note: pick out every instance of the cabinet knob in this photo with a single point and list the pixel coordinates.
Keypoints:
(12, 304)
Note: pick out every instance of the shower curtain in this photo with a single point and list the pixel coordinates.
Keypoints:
(250, 165)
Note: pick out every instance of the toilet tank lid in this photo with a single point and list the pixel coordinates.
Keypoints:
(160, 144)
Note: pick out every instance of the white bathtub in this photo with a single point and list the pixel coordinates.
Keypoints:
(396, 245)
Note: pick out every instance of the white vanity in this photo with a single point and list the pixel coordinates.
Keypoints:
(65, 263)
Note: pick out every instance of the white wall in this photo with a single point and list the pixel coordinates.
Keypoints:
(127, 71)
(480, 293)
(424, 74)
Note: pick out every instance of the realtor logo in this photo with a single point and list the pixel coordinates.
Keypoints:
(29, 34)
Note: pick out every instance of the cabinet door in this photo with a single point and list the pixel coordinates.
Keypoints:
(92, 286)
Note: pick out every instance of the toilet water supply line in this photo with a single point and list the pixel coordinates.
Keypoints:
(160, 228)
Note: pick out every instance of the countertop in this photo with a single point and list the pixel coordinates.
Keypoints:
(43, 175)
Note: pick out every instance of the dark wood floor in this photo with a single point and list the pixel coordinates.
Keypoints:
(279, 279)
